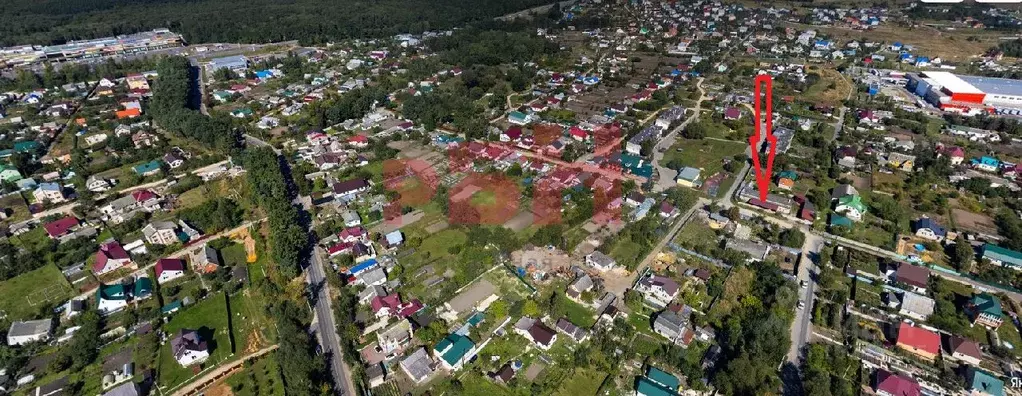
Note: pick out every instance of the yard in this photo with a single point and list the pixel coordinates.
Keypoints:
(210, 318)
(582, 382)
(707, 154)
(695, 233)
(261, 377)
(25, 294)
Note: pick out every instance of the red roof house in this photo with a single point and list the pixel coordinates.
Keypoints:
(60, 227)
(168, 269)
(918, 341)
(892, 384)
(110, 256)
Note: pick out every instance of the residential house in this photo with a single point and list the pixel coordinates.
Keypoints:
(110, 256)
(161, 233)
(348, 189)
(658, 290)
(418, 366)
(918, 341)
(890, 384)
(534, 330)
(846, 157)
(395, 337)
(851, 206)
(111, 298)
(916, 277)
(25, 332)
(97, 184)
(963, 350)
(600, 261)
(786, 180)
(916, 306)
(985, 309)
(188, 347)
(688, 177)
(581, 285)
(351, 218)
(982, 383)
(571, 330)
(673, 325)
(477, 297)
(1002, 256)
(454, 351)
(928, 228)
(62, 227)
(756, 251)
(657, 382)
(9, 174)
(49, 192)
(173, 160)
(207, 260)
(986, 164)
(168, 269)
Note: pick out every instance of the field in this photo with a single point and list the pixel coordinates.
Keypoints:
(261, 377)
(831, 88)
(581, 383)
(706, 154)
(695, 233)
(16, 204)
(210, 318)
(25, 294)
(953, 46)
(626, 251)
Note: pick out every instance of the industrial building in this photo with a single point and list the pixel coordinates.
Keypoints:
(156, 39)
(967, 94)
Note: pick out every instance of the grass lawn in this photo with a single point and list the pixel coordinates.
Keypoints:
(251, 328)
(705, 154)
(578, 314)
(1009, 334)
(870, 234)
(234, 254)
(16, 204)
(25, 294)
(831, 88)
(626, 251)
(210, 318)
(695, 233)
(436, 245)
(581, 382)
(261, 377)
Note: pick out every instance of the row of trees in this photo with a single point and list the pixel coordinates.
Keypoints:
(169, 107)
(272, 192)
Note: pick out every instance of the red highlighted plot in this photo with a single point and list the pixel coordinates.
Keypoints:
(763, 120)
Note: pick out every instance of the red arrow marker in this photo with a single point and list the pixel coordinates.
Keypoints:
(763, 175)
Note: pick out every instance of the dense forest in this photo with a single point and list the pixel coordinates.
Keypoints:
(202, 21)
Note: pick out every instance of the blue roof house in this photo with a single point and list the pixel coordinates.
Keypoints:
(928, 228)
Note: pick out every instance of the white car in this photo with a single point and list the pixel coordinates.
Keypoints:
(803, 284)
(801, 304)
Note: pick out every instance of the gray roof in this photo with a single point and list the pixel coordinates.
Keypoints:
(671, 320)
(583, 283)
(842, 190)
(418, 364)
(601, 259)
(375, 275)
(995, 86)
(126, 389)
(756, 250)
(918, 304)
(471, 296)
(228, 62)
(689, 173)
(30, 327)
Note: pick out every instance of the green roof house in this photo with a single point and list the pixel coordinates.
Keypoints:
(839, 220)
(980, 382)
(143, 288)
(1001, 256)
(985, 309)
(26, 146)
(851, 206)
(9, 174)
(454, 350)
(519, 118)
(111, 298)
(147, 169)
(657, 383)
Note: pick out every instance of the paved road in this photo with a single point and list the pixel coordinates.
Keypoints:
(252, 140)
(323, 324)
(801, 327)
